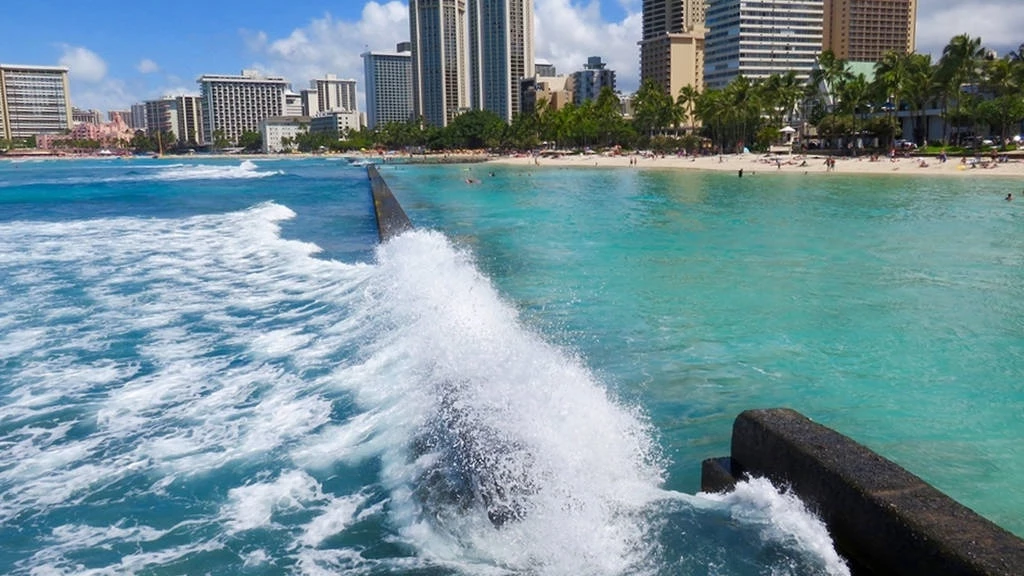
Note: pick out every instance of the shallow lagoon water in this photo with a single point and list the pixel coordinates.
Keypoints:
(889, 308)
(209, 366)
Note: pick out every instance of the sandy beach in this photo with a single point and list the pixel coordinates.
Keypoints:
(762, 164)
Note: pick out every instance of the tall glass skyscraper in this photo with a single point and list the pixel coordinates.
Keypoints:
(438, 34)
(500, 53)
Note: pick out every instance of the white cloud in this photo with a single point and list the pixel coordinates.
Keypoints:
(83, 64)
(330, 46)
(90, 85)
(997, 22)
(147, 66)
(567, 32)
(108, 94)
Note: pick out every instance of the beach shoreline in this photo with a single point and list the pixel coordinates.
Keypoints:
(753, 164)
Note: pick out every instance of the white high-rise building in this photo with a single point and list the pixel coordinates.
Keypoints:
(388, 87)
(333, 93)
(138, 121)
(761, 38)
(293, 105)
(33, 100)
(438, 40)
(236, 104)
(162, 118)
(500, 54)
(190, 120)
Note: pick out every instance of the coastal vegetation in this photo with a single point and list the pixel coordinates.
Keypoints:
(973, 92)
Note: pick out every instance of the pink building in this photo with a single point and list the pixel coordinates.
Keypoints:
(114, 134)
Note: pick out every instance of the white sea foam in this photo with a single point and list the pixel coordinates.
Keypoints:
(247, 169)
(582, 456)
(236, 336)
(254, 506)
(192, 409)
(784, 520)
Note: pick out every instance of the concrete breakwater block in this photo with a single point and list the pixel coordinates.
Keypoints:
(884, 519)
(391, 219)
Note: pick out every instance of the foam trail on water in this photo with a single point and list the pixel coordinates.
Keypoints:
(247, 169)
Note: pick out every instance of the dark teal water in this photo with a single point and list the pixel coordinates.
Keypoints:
(209, 367)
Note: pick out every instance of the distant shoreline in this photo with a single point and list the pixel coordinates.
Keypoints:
(752, 164)
(758, 165)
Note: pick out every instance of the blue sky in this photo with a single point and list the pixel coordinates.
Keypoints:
(124, 52)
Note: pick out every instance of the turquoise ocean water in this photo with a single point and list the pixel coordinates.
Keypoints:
(210, 367)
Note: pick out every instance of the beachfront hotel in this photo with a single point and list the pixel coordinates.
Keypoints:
(672, 48)
(864, 30)
(388, 77)
(761, 38)
(162, 117)
(330, 93)
(500, 54)
(438, 40)
(190, 119)
(33, 100)
(235, 104)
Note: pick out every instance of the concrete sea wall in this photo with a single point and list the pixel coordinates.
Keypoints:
(391, 219)
(883, 519)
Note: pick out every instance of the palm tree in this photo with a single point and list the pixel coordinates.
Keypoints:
(918, 89)
(652, 108)
(789, 93)
(999, 77)
(686, 101)
(959, 66)
(892, 74)
(711, 109)
(742, 107)
(853, 94)
(826, 77)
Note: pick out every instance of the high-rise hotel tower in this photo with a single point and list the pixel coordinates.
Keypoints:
(33, 100)
(500, 53)
(672, 48)
(438, 37)
(388, 86)
(864, 30)
(232, 104)
(758, 38)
